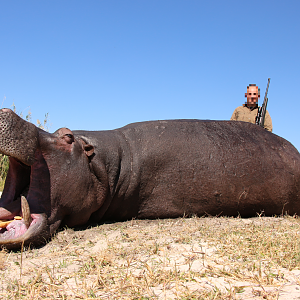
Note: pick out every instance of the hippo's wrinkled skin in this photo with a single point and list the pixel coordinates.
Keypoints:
(156, 169)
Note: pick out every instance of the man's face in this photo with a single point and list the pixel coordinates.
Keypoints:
(252, 96)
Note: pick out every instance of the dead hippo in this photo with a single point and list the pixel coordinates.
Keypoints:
(155, 169)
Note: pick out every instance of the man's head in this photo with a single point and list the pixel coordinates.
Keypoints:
(252, 95)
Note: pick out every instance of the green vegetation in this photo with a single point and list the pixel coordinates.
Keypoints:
(3, 170)
(4, 161)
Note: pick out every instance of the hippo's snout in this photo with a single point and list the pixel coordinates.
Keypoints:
(27, 176)
(18, 138)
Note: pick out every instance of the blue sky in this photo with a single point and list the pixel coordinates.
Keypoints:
(100, 65)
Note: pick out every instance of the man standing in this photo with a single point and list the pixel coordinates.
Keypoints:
(248, 111)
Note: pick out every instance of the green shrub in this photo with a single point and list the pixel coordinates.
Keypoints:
(3, 170)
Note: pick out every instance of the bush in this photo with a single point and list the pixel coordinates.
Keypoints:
(4, 162)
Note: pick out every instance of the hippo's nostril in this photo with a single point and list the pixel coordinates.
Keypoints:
(18, 138)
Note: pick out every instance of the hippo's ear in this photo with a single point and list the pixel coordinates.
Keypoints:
(88, 149)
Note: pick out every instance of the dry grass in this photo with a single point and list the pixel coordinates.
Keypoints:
(188, 258)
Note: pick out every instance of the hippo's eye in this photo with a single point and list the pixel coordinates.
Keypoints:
(69, 138)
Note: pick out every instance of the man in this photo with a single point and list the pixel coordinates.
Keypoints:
(248, 111)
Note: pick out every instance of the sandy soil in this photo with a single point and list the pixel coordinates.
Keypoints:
(188, 258)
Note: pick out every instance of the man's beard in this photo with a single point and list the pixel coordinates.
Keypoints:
(252, 104)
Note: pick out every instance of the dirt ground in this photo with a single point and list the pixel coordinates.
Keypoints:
(186, 258)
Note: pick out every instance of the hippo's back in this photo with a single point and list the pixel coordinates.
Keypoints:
(212, 167)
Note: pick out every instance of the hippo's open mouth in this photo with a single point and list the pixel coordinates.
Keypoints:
(21, 226)
(22, 220)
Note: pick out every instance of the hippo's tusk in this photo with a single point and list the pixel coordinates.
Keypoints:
(25, 211)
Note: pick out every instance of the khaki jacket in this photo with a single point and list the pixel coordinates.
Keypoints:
(243, 113)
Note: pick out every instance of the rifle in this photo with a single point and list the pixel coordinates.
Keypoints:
(260, 118)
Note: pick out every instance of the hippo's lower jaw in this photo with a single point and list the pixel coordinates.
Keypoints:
(33, 228)
(16, 233)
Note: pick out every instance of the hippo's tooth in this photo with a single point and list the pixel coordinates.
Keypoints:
(25, 211)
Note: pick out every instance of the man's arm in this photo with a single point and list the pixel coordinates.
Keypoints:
(268, 122)
(234, 115)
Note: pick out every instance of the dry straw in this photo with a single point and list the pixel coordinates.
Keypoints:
(188, 258)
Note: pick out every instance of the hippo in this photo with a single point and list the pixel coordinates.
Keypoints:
(152, 169)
